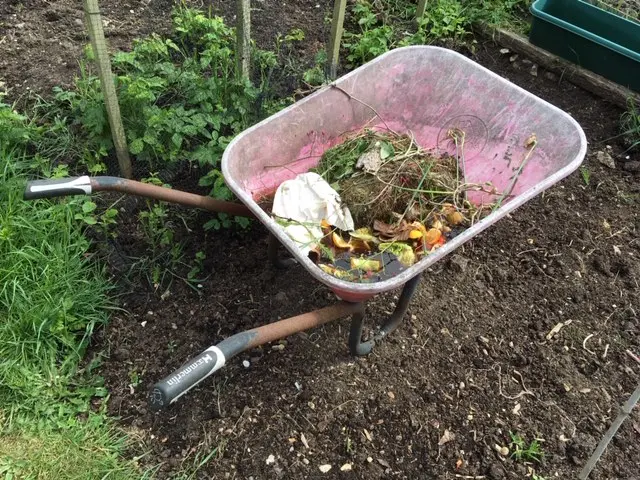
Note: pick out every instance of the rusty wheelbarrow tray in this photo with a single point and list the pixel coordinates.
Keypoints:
(424, 90)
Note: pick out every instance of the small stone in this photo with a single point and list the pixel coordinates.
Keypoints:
(143, 324)
(121, 354)
(270, 460)
(551, 76)
(459, 263)
(605, 159)
(526, 61)
(20, 26)
(633, 166)
(78, 22)
(369, 459)
(513, 58)
(534, 70)
(346, 467)
(305, 461)
(325, 468)
(504, 51)
(504, 451)
(246, 364)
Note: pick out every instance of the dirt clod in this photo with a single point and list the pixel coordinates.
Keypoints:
(632, 166)
(496, 472)
(605, 159)
(581, 447)
(458, 263)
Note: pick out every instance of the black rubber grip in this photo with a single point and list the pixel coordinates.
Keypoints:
(57, 188)
(170, 388)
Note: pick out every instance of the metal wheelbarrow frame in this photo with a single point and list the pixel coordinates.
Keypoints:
(422, 90)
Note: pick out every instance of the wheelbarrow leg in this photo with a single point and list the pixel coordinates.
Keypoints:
(274, 258)
(360, 348)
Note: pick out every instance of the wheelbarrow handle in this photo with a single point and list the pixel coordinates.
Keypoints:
(58, 188)
(86, 185)
(172, 387)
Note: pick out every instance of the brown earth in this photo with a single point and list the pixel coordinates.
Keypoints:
(472, 359)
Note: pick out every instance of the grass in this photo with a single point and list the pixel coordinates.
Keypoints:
(52, 297)
(89, 452)
(523, 451)
(630, 126)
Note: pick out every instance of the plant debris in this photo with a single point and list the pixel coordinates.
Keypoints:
(406, 201)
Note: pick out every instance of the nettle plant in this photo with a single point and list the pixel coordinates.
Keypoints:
(181, 98)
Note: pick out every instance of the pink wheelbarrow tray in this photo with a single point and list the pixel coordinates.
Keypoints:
(425, 91)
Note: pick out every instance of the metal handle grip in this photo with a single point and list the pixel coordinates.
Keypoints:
(172, 387)
(58, 188)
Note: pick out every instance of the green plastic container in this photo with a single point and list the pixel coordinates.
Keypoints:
(590, 37)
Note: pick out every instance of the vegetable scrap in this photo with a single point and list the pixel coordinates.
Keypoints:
(405, 201)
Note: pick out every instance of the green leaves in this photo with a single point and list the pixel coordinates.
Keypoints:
(386, 150)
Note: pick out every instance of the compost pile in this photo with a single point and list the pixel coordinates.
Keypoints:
(395, 203)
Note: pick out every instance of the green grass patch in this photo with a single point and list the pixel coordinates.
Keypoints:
(52, 297)
(88, 451)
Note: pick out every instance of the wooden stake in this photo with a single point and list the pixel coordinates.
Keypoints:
(339, 8)
(243, 37)
(98, 43)
(422, 6)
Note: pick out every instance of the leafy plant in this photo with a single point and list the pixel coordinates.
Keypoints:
(586, 175)
(444, 19)
(157, 225)
(523, 451)
(511, 14)
(104, 220)
(197, 267)
(368, 45)
(180, 97)
(317, 74)
(374, 37)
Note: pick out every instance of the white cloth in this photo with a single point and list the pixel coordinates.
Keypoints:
(309, 199)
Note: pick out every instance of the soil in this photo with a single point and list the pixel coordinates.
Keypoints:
(474, 360)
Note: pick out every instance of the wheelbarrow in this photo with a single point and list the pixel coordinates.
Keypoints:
(427, 91)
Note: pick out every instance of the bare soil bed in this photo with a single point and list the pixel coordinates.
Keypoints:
(474, 358)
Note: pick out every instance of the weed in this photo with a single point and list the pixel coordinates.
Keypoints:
(511, 14)
(197, 267)
(586, 175)
(134, 378)
(630, 126)
(317, 74)
(104, 221)
(191, 467)
(522, 451)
